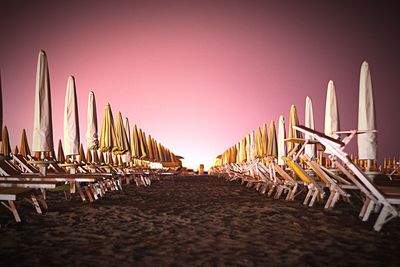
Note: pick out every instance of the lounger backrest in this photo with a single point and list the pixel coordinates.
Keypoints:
(297, 169)
(7, 170)
(25, 164)
(57, 168)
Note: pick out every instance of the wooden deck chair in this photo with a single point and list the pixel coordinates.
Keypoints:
(314, 189)
(8, 197)
(290, 183)
(385, 200)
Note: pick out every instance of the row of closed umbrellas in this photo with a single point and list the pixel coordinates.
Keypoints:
(115, 137)
(261, 143)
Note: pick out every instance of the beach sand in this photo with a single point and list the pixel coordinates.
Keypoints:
(191, 221)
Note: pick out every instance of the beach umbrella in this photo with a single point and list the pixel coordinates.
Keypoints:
(367, 142)
(293, 121)
(281, 140)
(310, 150)
(135, 144)
(71, 120)
(60, 154)
(155, 151)
(96, 156)
(81, 157)
(43, 126)
(89, 155)
(145, 144)
(272, 149)
(121, 138)
(92, 129)
(108, 140)
(258, 143)
(128, 154)
(243, 148)
(143, 154)
(24, 147)
(160, 154)
(5, 145)
(264, 140)
(16, 151)
(150, 148)
(331, 111)
(101, 158)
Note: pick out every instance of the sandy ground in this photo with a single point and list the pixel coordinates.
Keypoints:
(191, 221)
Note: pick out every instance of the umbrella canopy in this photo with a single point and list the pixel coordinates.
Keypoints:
(5, 145)
(24, 147)
(60, 154)
(135, 145)
(121, 137)
(310, 150)
(293, 121)
(243, 150)
(367, 142)
(264, 140)
(96, 156)
(101, 158)
(143, 154)
(42, 126)
(248, 148)
(160, 154)
(82, 157)
(145, 144)
(272, 150)
(71, 119)
(16, 151)
(89, 156)
(331, 112)
(128, 132)
(150, 148)
(155, 151)
(281, 140)
(108, 140)
(258, 144)
(92, 130)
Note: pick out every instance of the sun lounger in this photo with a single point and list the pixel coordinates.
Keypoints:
(376, 198)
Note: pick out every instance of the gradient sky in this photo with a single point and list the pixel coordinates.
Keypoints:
(199, 75)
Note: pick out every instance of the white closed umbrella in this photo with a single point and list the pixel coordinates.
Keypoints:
(281, 140)
(42, 124)
(367, 142)
(92, 136)
(71, 120)
(310, 150)
(331, 112)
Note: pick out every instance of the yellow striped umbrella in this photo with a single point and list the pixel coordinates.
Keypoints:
(108, 140)
(60, 155)
(5, 145)
(264, 140)
(272, 150)
(258, 144)
(24, 147)
(293, 121)
(121, 137)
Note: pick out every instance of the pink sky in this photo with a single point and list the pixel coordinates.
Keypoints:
(200, 75)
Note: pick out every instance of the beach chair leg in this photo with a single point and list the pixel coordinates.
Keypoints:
(94, 191)
(278, 192)
(314, 197)
(382, 219)
(43, 193)
(72, 187)
(335, 199)
(328, 202)
(364, 207)
(271, 191)
(80, 192)
(35, 204)
(89, 194)
(11, 207)
(368, 212)
(307, 196)
(42, 201)
(294, 190)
